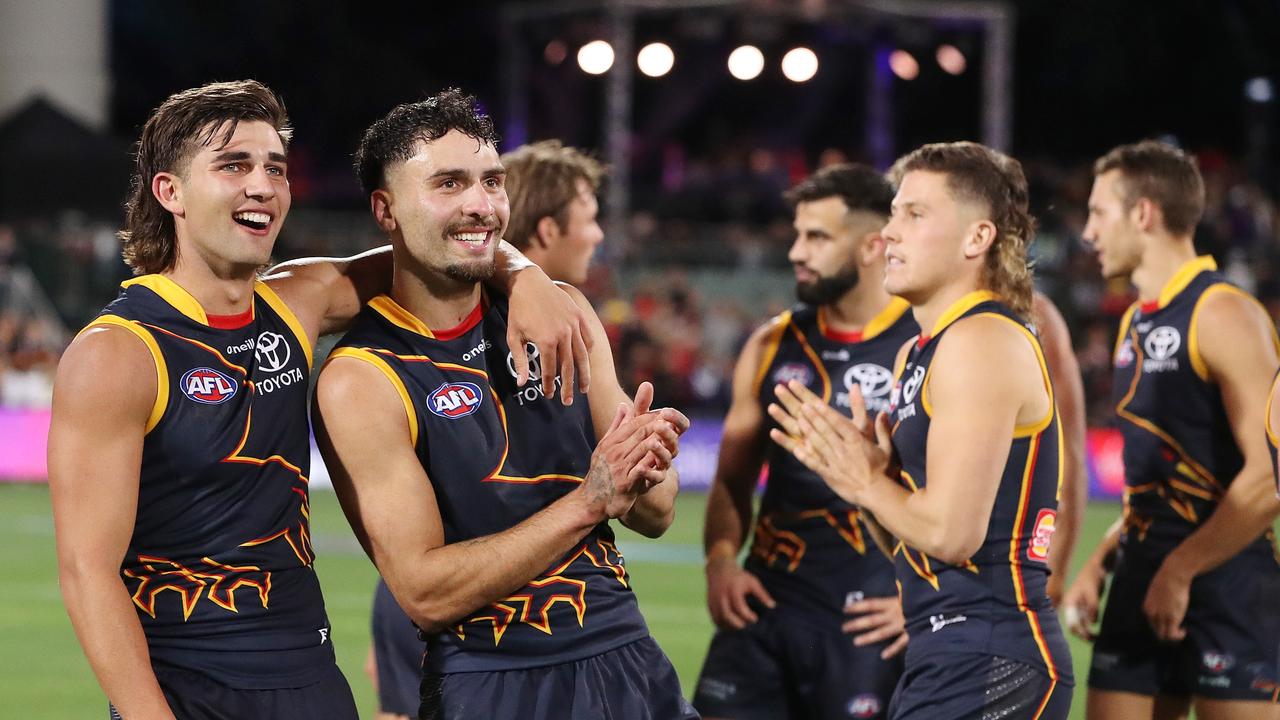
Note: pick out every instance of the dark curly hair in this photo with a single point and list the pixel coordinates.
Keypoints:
(186, 121)
(976, 173)
(393, 138)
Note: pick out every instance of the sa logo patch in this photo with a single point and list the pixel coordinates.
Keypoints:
(455, 400)
(208, 386)
(1042, 535)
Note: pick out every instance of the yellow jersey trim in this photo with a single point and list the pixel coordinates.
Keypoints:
(162, 371)
(398, 316)
(1193, 336)
(269, 295)
(960, 307)
(1183, 277)
(772, 341)
(373, 359)
(1271, 431)
(172, 293)
(882, 321)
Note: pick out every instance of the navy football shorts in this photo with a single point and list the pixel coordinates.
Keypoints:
(1233, 635)
(632, 682)
(193, 696)
(778, 669)
(976, 686)
(398, 651)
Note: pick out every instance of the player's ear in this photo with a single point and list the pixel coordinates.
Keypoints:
(981, 236)
(871, 249)
(546, 232)
(167, 189)
(1145, 214)
(380, 204)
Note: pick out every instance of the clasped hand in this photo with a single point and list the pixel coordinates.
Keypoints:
(851, 454)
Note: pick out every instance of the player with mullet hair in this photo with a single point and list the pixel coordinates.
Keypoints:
(178, 449)
(813, 573)
(1191, 616)
(484, 506)
(964, 468)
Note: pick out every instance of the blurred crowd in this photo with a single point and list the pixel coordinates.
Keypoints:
(700, 264)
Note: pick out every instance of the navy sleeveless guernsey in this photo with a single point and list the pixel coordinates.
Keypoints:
(496, 454)
(995, 602)
(220, 562)
(810, 549)
(1180, 455)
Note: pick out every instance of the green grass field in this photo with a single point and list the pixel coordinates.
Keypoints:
(44, 675)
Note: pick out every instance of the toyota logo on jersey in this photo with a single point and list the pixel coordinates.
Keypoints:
(208, 386)
(455, 400)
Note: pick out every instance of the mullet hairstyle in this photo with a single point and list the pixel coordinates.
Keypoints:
(860, 187)
(186, 121)
(1163, 174)
(394, 138)
(542, 179)
(976, 173)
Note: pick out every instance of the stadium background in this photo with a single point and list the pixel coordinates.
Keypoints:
(695, 252)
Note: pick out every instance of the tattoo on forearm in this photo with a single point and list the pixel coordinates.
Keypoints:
(600, 486)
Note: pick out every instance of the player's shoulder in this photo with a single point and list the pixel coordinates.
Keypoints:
(111, 364)
(985, 340)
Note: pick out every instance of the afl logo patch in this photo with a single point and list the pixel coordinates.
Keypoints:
(208, 386)
(454, 400)
(1042, 535)
(1162, 343)
(792, 371)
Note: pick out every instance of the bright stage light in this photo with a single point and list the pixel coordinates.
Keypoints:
(746, 62)
(655, 59)
(950, 59)
(1260, 90)
(800, 64)
(904, 65)
(596, 57)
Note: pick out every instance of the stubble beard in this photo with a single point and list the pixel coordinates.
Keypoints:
(827, 290)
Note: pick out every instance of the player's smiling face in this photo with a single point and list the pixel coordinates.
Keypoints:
(449, 205)
(231, 200)
(1110, 231)
(926, 236)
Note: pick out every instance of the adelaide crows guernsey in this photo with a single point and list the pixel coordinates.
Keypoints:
(496, 454)
(810, 549)
(220, 562)
(995, 602)
(1180, 455)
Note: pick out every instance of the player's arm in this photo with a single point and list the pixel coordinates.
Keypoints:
(327, 293)
(1237, 342)
(1083, 598)
(974, 413)
(654, 509)
(391, 504)
(729, 513)
(103, 396)
(1068, 388)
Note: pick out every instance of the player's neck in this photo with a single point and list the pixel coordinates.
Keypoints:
(1160, 263)
(219, 291)
(438, 301)
(857, 307)
(929, 310)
